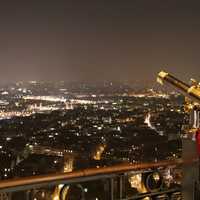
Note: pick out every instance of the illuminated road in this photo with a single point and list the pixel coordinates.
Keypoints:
(147, 121)
(99, 151)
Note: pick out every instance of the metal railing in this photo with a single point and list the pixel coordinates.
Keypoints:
(113, 174)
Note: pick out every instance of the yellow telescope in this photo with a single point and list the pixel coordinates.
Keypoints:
(191, 91)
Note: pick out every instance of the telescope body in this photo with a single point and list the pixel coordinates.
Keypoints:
(192, 92)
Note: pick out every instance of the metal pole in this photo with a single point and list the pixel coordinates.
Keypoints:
(112, 189)
(121, 181)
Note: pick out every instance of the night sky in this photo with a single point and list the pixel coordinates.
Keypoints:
(98, 40)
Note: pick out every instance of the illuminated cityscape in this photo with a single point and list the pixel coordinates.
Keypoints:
(61, 130)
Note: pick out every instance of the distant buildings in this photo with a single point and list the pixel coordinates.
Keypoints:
(99, 125)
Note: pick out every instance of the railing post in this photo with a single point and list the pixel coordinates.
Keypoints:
(9, 196)
(28, 195)
(120, 187)
(112, 189)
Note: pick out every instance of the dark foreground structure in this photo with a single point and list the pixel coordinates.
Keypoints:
(153, 176)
